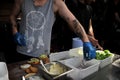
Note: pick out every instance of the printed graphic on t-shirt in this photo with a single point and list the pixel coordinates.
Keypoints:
(35, 22)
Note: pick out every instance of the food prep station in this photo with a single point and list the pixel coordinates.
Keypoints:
(72, 61)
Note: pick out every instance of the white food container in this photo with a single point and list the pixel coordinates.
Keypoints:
(59, 56)
(78, 71)
(106, 61)
(76, 52)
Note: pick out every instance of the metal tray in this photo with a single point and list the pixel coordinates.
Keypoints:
(53, 77)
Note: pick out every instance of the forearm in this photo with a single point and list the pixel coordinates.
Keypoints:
(90, 33)
(79, 30)
(15, 12)
(13, 24)
(117, 17)
(74, 24)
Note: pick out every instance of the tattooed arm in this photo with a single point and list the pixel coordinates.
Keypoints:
(60, 7)
(14, 14)
(18, 37)
(88, 49)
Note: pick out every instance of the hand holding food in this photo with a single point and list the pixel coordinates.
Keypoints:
(89, 51)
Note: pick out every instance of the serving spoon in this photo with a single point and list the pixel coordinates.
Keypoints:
(44, 66)
(23, 78)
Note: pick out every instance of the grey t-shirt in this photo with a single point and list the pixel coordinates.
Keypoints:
(36, 25)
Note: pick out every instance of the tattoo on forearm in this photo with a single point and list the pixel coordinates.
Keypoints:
(77, 28)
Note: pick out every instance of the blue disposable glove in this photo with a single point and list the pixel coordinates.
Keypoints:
(89, 51)
(19, 39)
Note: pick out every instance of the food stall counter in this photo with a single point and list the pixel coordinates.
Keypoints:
(108, 72)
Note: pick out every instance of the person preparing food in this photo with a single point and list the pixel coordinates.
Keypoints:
(34, 34)
(84, 13)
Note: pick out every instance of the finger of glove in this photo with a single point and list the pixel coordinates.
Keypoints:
(17, 38)
(89, 52)
(92, 54)
(18, 41)
(22, 40)
(86, 53)
(89, 46)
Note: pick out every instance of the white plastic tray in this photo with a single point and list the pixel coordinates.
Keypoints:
(59, 56)
(106, 61)
(75, 52)
(79, 72)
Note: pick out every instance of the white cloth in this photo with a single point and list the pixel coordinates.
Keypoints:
(3, 71)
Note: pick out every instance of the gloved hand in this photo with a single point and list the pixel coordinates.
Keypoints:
(89, 51)
(19, 39)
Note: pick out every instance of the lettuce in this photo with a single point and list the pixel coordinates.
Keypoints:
(100, 55)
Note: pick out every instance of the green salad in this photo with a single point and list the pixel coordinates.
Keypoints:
(100, 55)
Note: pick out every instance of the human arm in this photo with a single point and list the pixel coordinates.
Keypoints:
(90, 33)
(117, 17)
(63, 11)
(18, 38)
(92, 38)
(74, 24)
(15, 12)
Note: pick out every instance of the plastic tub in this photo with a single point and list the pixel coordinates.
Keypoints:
(106, 61)
(80, 72)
